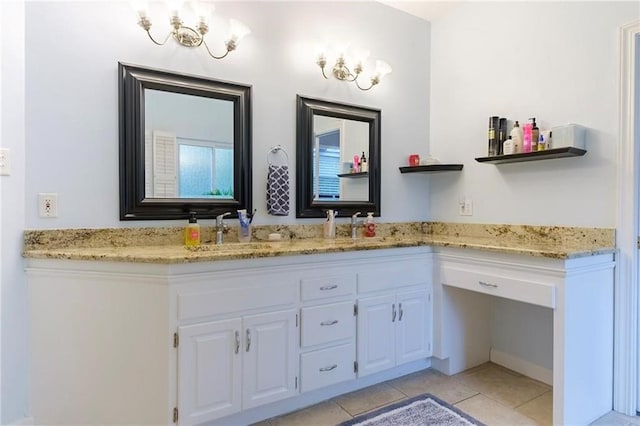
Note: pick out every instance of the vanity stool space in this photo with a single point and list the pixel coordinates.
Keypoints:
(579, 294)
(224, 341)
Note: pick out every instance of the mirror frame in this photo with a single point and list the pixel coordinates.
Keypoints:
(132, 82)
(306, 108)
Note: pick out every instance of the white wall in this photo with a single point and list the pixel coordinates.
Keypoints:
(14, 320)
(72, 127)
(557, 61)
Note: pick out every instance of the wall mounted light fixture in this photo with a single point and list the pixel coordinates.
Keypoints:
(345, 72)
(188, 36)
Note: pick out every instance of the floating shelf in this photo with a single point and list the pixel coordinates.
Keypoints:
(354, 175)
(431, 168)
(567, 151)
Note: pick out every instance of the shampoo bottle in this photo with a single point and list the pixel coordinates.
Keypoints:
(369, 226)
(364, 166)
(526, 143)
(542, 143)
(535, 134)
(516, 136)
(508, 147)
(192, 232)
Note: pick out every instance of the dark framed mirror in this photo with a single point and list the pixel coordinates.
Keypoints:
(329, 136)
(185, 145)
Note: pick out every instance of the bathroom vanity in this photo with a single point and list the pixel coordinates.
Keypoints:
(126, 336)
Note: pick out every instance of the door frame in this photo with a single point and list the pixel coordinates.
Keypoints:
(626, 378)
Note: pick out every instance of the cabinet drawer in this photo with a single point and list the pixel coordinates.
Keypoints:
(384, 276)
(328, 286)
(326, 323)
(327, 366)
(501, 285)
(201, 300)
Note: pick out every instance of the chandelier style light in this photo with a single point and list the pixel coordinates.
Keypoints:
(342, 70)
(189, 36)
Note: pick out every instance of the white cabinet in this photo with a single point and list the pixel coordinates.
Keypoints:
(225, 366)
(209, 371)
(251, 335)
(270, 361)
(393, 329)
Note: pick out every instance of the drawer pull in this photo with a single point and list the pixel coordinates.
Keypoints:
(329, 322)
(486, 284)
(401, 312)
(333, 367)
(237, 341)
(248, 340)
(329, 287)
(393, 312)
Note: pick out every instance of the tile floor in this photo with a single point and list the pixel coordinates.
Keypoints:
(490, 393)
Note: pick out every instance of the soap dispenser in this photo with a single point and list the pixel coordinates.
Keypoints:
(192, 232)
(330, 224)
(369, 226)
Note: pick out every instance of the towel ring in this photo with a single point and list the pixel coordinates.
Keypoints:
(273, 151)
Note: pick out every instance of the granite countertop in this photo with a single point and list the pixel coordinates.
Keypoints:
(162, 245)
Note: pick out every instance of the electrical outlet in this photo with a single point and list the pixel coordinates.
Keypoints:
(466, 206)
(48, 204)
(5, 161)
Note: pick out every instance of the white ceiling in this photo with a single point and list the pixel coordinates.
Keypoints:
(427, 10)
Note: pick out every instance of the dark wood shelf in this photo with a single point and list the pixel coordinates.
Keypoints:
(354, 175)
(431, 168)
(567, 151)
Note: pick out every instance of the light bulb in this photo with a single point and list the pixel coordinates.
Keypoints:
(382, 69)
(203, 11)
(237, 30)
(141, 7)
(175, 7)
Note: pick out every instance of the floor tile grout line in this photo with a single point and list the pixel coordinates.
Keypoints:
(528, 401)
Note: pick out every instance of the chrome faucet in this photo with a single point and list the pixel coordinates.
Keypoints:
(220, 227)
(354, 225)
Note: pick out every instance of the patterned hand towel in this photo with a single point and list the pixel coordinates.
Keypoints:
(278, 190)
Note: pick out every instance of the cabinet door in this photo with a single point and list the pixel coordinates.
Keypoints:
(413, 329)
(209, 371)
(375, 334)
(270, 358)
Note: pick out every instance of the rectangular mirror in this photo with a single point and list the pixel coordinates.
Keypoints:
(185, 145)
(329, 135)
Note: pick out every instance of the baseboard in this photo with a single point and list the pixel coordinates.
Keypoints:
(25, 421)
(545, 375)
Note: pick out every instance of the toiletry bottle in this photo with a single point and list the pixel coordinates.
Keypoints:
(364, 166)
(369, 226)
(356, 163)
(516, 135)
(329, 227)
(502, 134)
(542, 144)
(508, 147)
(244, 232)
(493, 141)
(535, 135)
(526, 142)
(192, 232)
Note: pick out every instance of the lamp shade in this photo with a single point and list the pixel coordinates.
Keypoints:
(237, 30)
